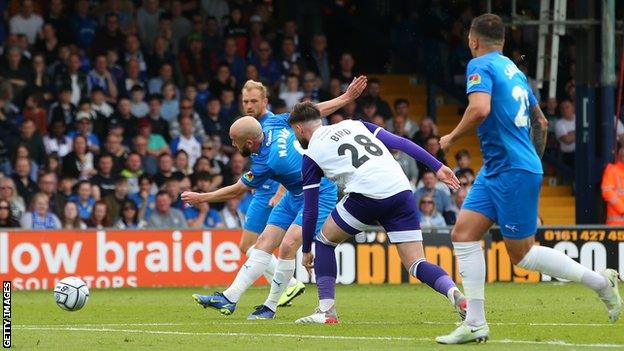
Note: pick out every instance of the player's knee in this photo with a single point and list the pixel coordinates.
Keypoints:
(289, 247)
(516, 257)
(244, 246)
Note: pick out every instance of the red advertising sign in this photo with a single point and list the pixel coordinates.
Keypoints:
(120, 258)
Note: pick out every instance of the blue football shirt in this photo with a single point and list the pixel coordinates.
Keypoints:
(504, 134)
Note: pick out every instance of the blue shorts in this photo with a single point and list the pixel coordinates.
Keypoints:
(259, 210)
(290, 209)
(510, 199)
(397, 214)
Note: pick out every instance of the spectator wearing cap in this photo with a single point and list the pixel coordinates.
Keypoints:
(148, 162)
(164, 216)
(84, 128)
(26, 21)
(83, 25)
(84, 199)
(147, 17)
(186, 110)
(139, 107)
(187, 140)
(73, 78)
(39, 216)
(56, 141)
(79, 162)
(156, 144)
(144, 198)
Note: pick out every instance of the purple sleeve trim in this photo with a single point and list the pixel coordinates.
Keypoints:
(312, 175)
(409, 147)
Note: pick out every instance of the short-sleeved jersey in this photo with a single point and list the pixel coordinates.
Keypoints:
(279, 157)
(504, 134)
(351, 156)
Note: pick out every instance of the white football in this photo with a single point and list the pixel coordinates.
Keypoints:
(71, 293)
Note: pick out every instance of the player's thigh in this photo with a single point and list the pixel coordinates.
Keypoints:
(410, 252)
(477, 214)
(399, 217)
(331, 233)
(353, 214)
(516, 197)
(326, 204)
(248, 239)
(258, 211)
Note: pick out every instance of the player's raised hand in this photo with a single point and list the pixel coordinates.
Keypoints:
(192, 198)
(447, 175)
(357, 86)
(307, 260)
(446, 142)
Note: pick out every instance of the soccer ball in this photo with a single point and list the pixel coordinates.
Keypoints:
(71, 293)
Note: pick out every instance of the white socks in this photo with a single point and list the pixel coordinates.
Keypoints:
(557, 264)
(270, 270)
(248, 274)
(472, 271)
(326, 304)
(284, 273)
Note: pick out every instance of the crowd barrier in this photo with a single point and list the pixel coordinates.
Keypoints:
(159, 258)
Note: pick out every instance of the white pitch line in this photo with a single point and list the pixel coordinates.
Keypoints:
(291, 322)
(325, 337)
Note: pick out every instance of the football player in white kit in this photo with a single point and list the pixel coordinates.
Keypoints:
(355, 155)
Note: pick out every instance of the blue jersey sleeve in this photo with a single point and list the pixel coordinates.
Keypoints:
(532, 99)
(257, 175)
(478, 77)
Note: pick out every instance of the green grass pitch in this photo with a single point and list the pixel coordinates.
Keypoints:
(545, 316)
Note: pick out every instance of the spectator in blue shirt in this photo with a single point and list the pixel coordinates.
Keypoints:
(83, 25)
(144, 199)
(268, 67)
(203, 216)
(441, 198)
(84, 199)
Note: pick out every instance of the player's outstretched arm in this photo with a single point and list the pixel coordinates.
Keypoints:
(539, 129)
(478, 109)
(354, 90)
(235, 190)
(416, 152)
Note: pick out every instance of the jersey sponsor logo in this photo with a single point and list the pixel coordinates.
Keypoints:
(474, 79)
(269, 138)
(511, 70)
(248, 176)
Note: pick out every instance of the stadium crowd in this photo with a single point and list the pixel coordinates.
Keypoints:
(109, 111)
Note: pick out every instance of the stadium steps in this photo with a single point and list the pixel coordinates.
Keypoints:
(557, 203)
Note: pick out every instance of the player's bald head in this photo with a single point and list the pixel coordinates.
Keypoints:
(246, 134)
(489, 28)
(247, 128)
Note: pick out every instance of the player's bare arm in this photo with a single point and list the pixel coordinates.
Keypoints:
(478, 109)
(278, 196)
(539, 130)
(354, 90)
(235, 190)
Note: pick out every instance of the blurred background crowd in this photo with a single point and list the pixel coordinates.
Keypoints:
(110, 109)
